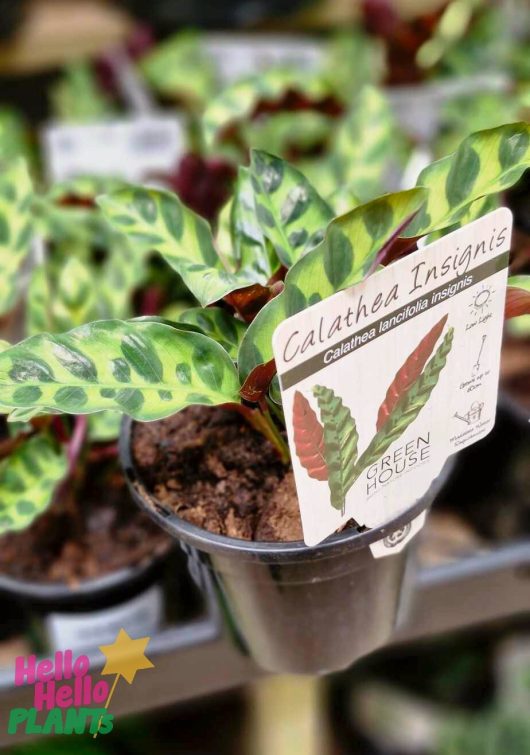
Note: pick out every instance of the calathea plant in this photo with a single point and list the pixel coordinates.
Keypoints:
(278, 250)
(85, 271)
(345, 147)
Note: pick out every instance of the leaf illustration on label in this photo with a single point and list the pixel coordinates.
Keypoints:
(409, 372)
(340, 444)
(309, 438)
(408, 407)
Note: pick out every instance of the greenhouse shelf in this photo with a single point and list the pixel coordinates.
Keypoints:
(200, 657)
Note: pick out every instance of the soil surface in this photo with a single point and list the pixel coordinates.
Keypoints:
(97, 531)
(209, 466)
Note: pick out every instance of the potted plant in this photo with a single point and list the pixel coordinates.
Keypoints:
(71, 540)
(214, 470)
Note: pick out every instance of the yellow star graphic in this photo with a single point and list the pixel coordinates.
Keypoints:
(126, 656)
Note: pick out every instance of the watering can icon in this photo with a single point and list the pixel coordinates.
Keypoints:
(473, 415)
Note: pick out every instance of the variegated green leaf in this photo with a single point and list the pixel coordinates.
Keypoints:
(147, 370)
(180, 68)
(487, 162)
(28, 479)
(218, 324)
(75, 299)
(39, 318)
(77, 96)
(285, 131)
(153, 219)
(14, 140)
(364, 144)
(342, 259)
(123, 271)
(104, 426)
(354, 58)
(475, 210)
(248, 244)
(237, 102)
(16, 228)
(290, 212)
(343, 200)
(84, 187)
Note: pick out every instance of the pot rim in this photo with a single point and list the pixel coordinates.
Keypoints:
(296, 550)
(63, 592)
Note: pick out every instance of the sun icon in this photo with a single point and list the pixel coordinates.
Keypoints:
(481, 300)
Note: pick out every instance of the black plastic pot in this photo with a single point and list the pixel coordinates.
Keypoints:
(299, 609)
(91, 613)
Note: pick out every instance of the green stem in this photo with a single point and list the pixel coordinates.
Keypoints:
(262, 421)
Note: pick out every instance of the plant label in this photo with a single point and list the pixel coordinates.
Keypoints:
(385, 380)
(134, 149)
(140, 616)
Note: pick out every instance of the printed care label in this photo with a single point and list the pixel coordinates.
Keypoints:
(382, 382)
(133, 149)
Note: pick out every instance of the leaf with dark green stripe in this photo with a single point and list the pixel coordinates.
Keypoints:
(365, 144)
(342, 259)
(487, 162)
(293, 216)
(183, 238)
(179, 68)
(235, 104)
(16, 228)
(217, 324)
(75, 298)
(28, 479)
(246, 244)
(340, 444)
(148, 370)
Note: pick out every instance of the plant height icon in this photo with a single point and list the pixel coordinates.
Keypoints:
(327, 448)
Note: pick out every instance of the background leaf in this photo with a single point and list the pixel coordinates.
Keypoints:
(365, 144)
(77, 97)
(28, 478)
(180, 68)
(236, 103)
(16, 228)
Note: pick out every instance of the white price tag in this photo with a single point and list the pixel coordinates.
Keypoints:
(382, 382)
(132, 149)
(140, 617)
